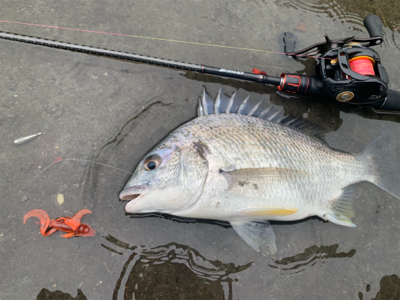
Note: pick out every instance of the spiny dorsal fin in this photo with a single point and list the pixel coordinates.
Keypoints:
(263, 109)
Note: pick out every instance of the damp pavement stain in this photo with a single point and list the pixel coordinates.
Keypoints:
(389, 289)
(113, 112)
(311, 256)
(45, 294)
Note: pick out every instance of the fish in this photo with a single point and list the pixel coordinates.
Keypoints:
(247, 163)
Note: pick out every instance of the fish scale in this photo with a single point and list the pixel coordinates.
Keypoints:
(249, 168)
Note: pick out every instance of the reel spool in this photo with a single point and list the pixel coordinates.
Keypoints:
(363, 65)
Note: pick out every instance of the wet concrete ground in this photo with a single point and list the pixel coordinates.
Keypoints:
(113, 112)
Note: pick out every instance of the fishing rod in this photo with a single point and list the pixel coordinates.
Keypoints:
(346, 69)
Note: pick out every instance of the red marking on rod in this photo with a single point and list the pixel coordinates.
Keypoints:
(258, 72)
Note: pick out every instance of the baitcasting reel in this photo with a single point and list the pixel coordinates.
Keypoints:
(346, 70)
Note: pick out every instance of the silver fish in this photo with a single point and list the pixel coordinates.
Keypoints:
(246, 163)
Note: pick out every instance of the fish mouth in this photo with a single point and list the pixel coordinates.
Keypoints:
(133, 193)
(127, 197)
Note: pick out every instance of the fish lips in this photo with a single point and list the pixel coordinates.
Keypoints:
(133, 194)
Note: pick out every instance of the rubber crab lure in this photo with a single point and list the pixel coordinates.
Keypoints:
(72, 226)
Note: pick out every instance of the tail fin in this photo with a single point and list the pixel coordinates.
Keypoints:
(383, 154)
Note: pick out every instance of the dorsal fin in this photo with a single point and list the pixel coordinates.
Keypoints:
(263, 109)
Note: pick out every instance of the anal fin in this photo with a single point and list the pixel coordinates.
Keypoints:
(342, 211)
(259, 236)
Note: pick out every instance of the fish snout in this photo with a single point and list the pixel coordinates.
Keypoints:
(133, 192)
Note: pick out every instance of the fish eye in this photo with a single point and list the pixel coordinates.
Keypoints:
(152, 162)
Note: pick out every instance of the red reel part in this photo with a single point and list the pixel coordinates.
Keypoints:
(363, 65)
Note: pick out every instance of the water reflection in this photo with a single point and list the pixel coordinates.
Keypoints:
(348, 11)
(184, 220)
(172, 271)
(331, 8)
(310, 257)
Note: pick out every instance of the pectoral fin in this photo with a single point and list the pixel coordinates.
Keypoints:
(258, 182)
(247, 177)
(259, 236)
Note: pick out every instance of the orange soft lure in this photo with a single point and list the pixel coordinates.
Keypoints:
(72, 226)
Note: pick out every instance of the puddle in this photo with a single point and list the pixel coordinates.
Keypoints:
(45, 294)
(389, 289)
(312, 256)
(350, 12)
(172, 271)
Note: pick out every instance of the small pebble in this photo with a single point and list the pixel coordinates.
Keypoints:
(60, 199)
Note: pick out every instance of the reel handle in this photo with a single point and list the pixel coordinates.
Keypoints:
(373, 25)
